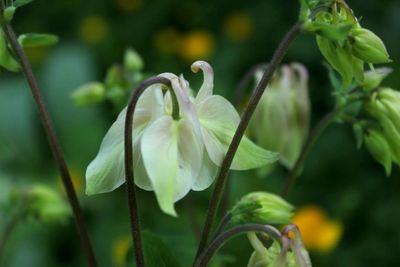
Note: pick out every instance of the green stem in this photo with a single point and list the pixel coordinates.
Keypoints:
(52, 139)
(226, 163)
(312, 138)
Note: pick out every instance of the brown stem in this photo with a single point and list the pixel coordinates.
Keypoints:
(209, 251)
(258, 92)
(53, 140)
(129, 175)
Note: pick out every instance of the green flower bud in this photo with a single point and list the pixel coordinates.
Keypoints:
(341, 60)
(115, 77)
(133, 61)
(8, 13)
(89, 94)
(47, 205)
(373, 78)
(281, 120)
(368, 47)
(262, 207)
(377, 145)
(6, 59)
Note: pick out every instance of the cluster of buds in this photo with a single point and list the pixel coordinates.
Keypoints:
(117, 85)
(344, 43)
(383, 141)
(281, 120)
(288, 251)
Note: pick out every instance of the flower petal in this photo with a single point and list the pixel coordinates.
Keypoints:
(159, 147)
(190, 146)
(207, 174)
(219, 121)
(206, 88)
(106, 172)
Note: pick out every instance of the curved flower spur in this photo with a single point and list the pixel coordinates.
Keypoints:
(178, 141)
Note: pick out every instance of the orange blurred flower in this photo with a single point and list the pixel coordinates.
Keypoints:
(238, 26)
(318, 232)
(120, 250)
(93, 29)
(196, 45)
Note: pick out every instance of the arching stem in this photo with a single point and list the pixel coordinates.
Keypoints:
(209, 251)
(129, 175)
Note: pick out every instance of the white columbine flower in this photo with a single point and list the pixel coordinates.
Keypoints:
(174, 155)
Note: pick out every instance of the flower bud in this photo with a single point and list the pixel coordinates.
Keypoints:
(341, 60)
(281, 120)
(262, 207)
(373, 78)
(7, 61)
(368, 47)
(9, 13)
(133, 61)
(89, 94)
(375, 141)
(47, 205)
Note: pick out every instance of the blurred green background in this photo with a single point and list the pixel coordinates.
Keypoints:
(233, 36)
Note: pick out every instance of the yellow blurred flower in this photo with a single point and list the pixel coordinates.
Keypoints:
(128, 5)
(77, 181)
(120, 250)
(167, 40)
(93, 29)
(238, 26)
(196, 45)
(318, 232)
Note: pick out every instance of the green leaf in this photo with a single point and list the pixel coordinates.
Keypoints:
(37, 39)
(157, 253)
(19, 3)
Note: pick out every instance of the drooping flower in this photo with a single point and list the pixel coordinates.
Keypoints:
(174, 154)
(281, 120)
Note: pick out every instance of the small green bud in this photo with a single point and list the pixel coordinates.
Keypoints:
(330, 31)
(377, 145)
(37, 39)
(6, 59)
(133, 61)
(114, 77)
(89, 94)
(262, 207)
(47, 205)
(373, 78)
(368, 47)
(340, 58)
(8, 13)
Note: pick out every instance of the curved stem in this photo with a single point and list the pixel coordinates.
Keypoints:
(209, 251)
(224, 222)
(53, 140)
(129, 175)
(311, 139)
(226, 163)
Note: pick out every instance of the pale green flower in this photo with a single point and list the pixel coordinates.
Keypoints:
(172, 156)
(281, 120)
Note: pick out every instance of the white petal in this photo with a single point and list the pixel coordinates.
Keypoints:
(106, 172)
(206, 88)
(190, 146)
(207, 174)
(219, 121)
(159, 147)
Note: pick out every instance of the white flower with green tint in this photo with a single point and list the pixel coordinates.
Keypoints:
(173, 155)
